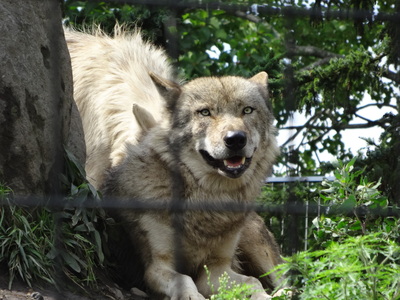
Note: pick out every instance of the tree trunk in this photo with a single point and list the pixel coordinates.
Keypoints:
(35, 96)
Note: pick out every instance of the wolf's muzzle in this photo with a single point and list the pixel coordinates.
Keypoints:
(235, 140)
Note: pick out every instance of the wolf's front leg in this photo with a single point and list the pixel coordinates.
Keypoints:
(259, 252)
(164, 280)
(160, 273)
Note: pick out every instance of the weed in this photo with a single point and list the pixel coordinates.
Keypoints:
(228, 289)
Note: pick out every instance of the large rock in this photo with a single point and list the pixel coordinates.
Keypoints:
(35, 97)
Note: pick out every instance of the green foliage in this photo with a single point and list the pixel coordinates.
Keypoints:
(24, 241)
(316, 85)
(81, 14)
(362, 267)
(354, 207)
(350, 205)
(382, 161)
(36, 242)
(356, 252)
(81, 228)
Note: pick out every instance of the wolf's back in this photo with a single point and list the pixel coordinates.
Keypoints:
(111, 83)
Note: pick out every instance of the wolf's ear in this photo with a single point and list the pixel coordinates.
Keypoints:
(168, 89)
(145, 120)
(260, 78)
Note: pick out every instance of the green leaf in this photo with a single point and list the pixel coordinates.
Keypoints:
(99, 248)
(71, 261)
(75, 162)
(349, 204)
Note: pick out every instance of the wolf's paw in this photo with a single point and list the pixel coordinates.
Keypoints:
(260, 296)
(187, 295)
(284, 291)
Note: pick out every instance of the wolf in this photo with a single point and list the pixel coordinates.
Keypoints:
(197, 152)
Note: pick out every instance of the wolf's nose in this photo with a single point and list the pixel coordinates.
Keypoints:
(235, 140)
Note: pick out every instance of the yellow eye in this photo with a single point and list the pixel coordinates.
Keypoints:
(248, 110)
(205, 112)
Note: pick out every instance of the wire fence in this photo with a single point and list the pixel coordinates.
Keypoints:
(297, 212)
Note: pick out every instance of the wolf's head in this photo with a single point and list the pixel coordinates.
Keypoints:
(219, 124)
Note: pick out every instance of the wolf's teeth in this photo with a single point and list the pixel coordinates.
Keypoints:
(234, 165)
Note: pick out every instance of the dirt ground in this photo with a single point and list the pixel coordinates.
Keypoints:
(21, 291)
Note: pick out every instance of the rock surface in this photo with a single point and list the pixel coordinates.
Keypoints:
(35, 98)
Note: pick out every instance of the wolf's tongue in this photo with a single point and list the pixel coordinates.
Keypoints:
(234, 162)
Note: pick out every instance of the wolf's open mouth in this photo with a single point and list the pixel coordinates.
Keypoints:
(232, 167)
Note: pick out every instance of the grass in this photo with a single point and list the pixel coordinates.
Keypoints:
(38, 245)
(24, 242)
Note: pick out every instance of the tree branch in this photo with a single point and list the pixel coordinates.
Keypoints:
(325, 56)
(317, 63)
(249, 17)
(316, 139)
(376, 104)
(300, 128)
(337, 126)
(312, 51)
(392, 76)
(363, 118)
(256, 19)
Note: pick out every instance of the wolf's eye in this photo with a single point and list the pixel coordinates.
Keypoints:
(205, 112)
(248, 110)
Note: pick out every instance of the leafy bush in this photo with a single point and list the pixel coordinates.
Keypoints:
(361, 267)
(356, 253)
(24, 241)
(82, 228)
(353, 206)
(36, 242)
